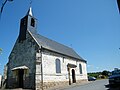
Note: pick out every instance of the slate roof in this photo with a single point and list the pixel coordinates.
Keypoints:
(56, 47)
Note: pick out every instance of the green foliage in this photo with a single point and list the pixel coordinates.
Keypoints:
(0, 50)
(95, 74)
(100, 75)
(105, 73)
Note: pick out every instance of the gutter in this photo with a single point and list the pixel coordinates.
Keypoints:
(41, 69)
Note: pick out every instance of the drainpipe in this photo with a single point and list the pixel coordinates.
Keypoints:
(41, 69)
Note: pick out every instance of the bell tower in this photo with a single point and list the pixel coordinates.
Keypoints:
(27, 23)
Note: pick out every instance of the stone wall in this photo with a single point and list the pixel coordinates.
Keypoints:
(52, 79)
(49, 67)
(57, 84)
(23, 54)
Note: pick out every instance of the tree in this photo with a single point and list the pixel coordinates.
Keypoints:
(0, 50)
(105, 73)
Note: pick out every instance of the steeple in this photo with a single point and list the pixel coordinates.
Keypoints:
(28, 23)
(30, 12)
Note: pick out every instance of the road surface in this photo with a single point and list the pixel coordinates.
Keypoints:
(94, 85)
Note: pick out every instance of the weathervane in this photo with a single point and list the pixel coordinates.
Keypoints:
(30, 2)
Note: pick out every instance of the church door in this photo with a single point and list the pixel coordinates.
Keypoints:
(20, 78)
(73, 76)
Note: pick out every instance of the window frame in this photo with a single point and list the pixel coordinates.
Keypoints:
(58, 66)
(80, 68)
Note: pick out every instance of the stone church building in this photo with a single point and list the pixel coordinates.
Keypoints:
(38, 63)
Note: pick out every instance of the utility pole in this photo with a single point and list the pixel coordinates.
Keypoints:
(118, 2)
(2, 7)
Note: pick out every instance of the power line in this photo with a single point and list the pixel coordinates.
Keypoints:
(2, 7)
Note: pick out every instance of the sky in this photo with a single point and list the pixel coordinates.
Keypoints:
(90, 27)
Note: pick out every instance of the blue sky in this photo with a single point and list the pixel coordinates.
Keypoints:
(90, 27)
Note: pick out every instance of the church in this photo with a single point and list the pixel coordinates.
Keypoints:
(38, 63)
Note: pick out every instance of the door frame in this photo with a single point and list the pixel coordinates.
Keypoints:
(20, 78)
(73, 76)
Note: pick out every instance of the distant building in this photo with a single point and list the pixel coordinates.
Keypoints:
(37, 62)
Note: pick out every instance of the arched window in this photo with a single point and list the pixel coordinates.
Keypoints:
(80, 68)
(32, 22)
(58, 66)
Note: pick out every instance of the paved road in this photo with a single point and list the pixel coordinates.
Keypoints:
(94, 85)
